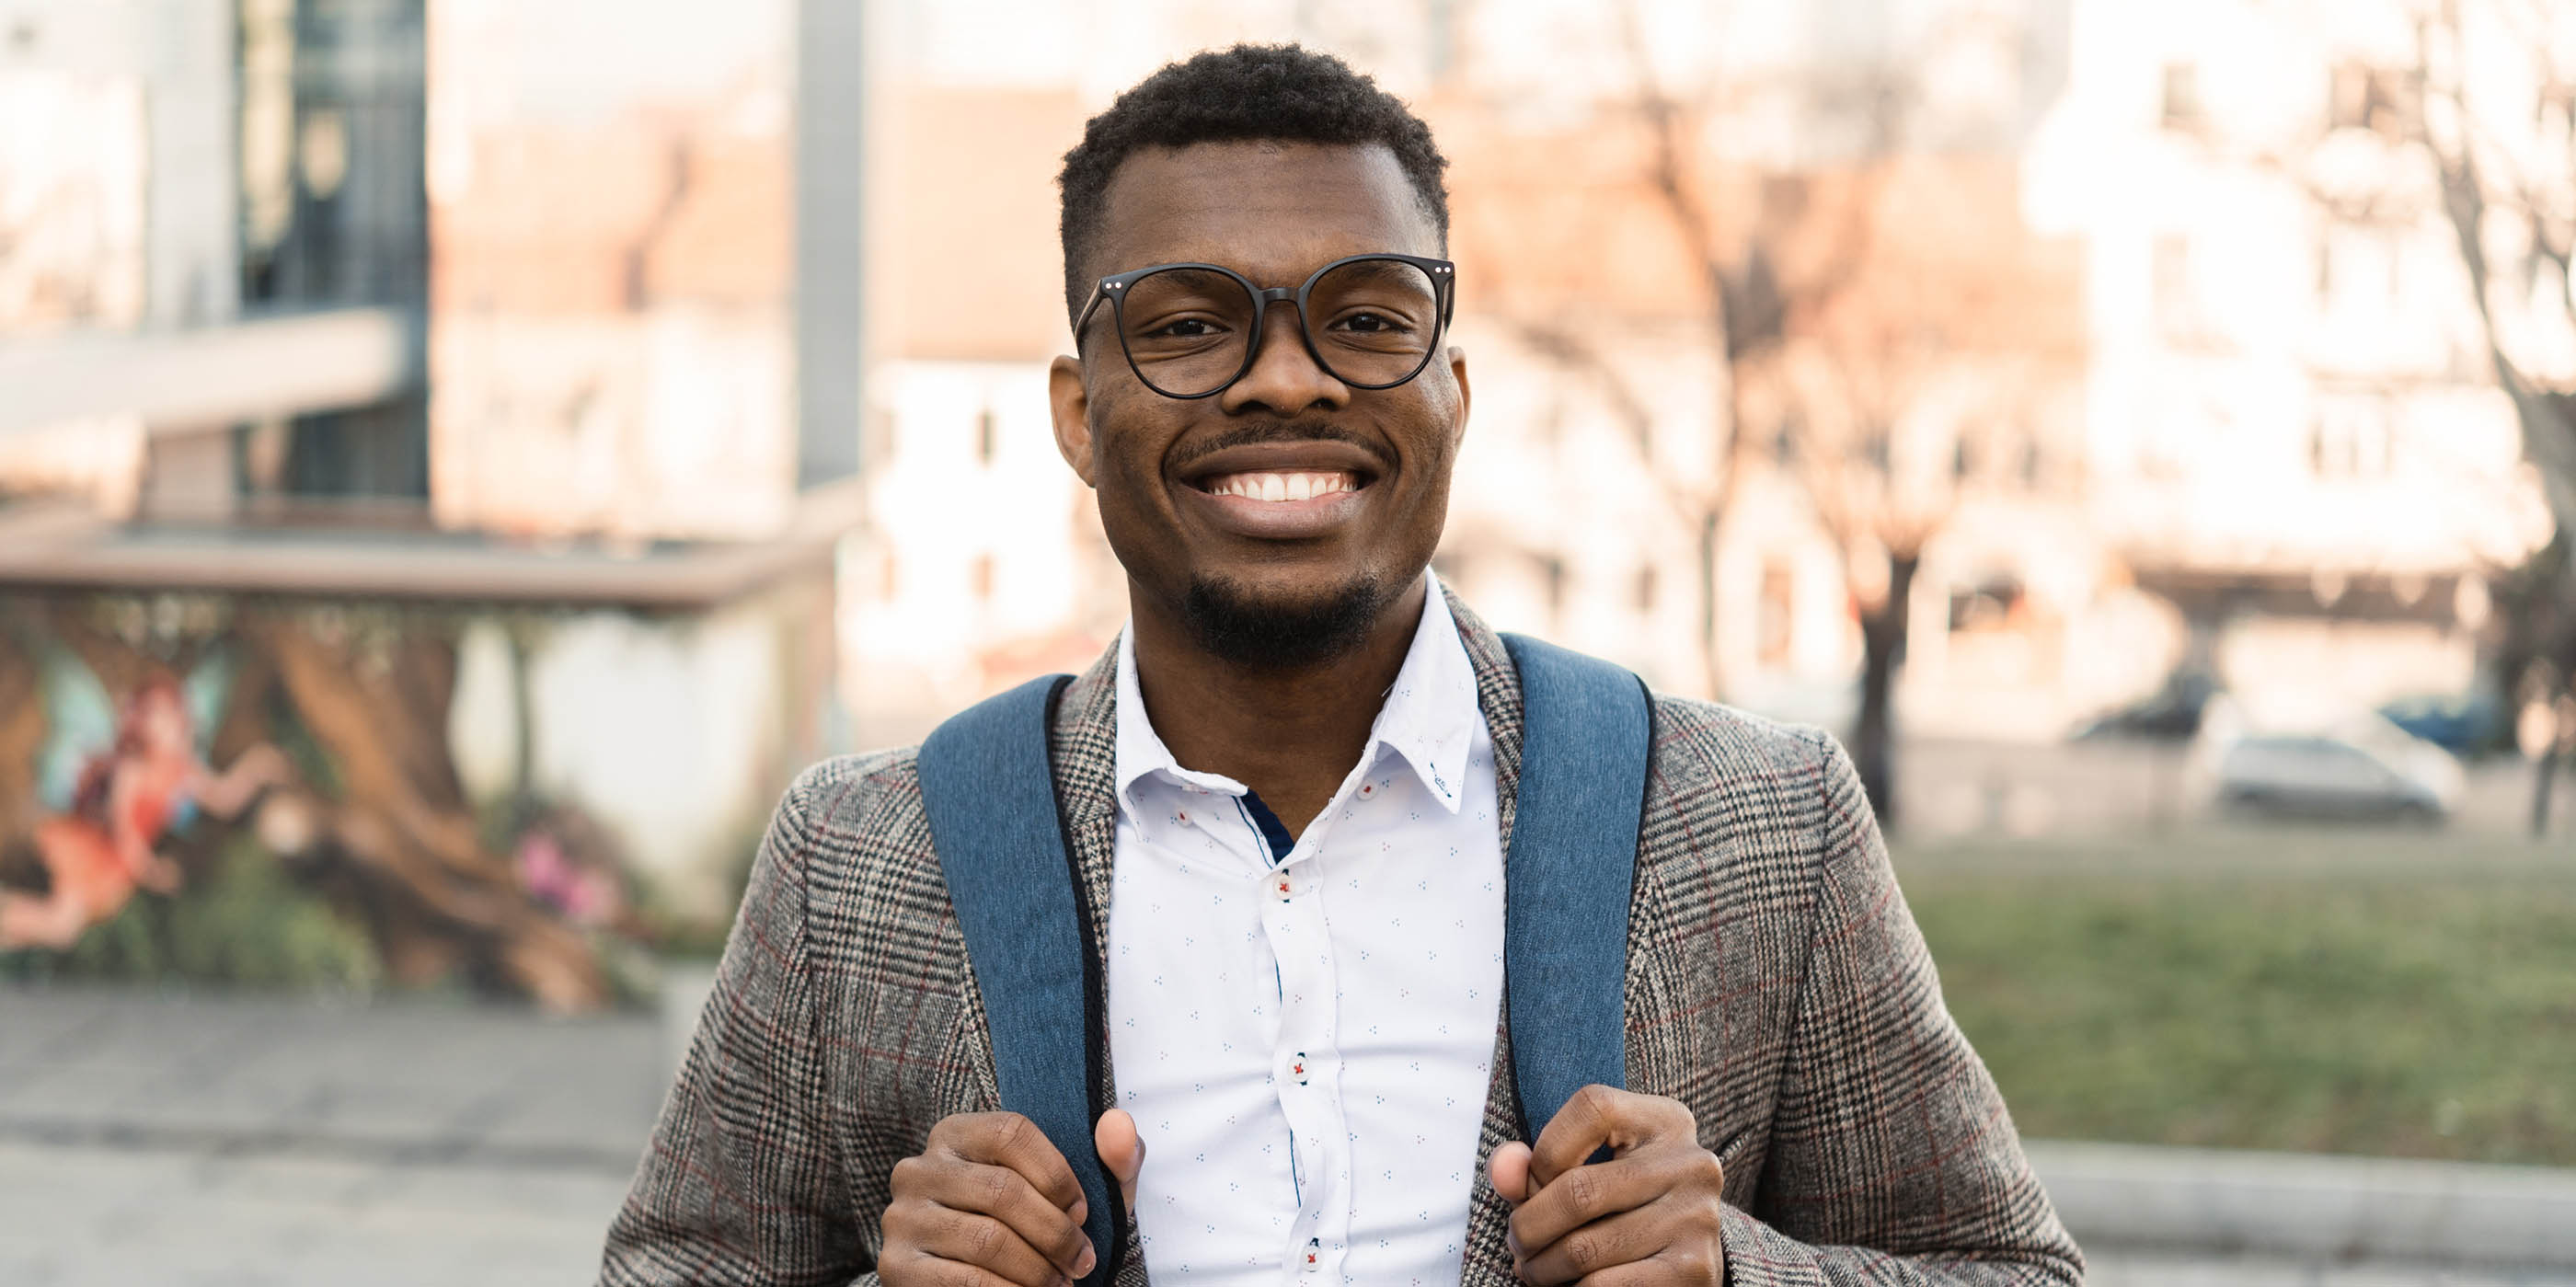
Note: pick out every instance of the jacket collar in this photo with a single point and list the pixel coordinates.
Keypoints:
(1085, 747)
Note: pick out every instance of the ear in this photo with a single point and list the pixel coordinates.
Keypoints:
(1071, 404)
(1458, 372)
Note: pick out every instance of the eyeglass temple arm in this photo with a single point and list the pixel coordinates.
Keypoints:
(1099, 292)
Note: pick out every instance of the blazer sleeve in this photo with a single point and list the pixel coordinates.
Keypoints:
(1892, 1158)
(741, 1182)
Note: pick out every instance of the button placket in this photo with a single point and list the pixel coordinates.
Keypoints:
(1309, 1066)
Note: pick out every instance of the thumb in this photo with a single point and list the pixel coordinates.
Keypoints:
(1510, 1169)
(1121, 1149)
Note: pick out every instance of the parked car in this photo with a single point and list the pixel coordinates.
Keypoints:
(2365, 768)
(2465, 724)
(2172, 713)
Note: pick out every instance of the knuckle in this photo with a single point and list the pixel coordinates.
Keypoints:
(982, 1236)
(1584, 1250)
(1010, 1131)
(993, 1184)
(1594, 1099)
(1684, 1122)
(1698, 1266)
(1709, 1171)
(1582, 1188)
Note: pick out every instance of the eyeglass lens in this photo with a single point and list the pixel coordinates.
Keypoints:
(1188, 330)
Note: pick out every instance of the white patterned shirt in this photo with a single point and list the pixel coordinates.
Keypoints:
(1305, 1039)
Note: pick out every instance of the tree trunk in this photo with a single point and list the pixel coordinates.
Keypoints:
(2544, 780)
(1882, 634)
(2546, 766)
(1708, 605)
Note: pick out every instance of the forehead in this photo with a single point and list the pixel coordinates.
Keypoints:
(1271, 211)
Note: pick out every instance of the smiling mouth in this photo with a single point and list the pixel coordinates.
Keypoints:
(1281, 486)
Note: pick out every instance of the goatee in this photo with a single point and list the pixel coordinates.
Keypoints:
(1240, 627)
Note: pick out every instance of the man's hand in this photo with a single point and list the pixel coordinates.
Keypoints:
(1648, 1215)
(989, 1201)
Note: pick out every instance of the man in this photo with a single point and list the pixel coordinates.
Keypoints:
(1290, 786)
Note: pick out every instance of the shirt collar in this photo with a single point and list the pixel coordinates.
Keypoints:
(1428, 716)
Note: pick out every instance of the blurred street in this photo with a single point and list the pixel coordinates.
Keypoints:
(237, 1140)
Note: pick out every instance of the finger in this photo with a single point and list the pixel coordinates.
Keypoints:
(1122, 1150)
(1598, 1247)
(1007, 1196)
(922, 1267)
(1008, 1139)
(1599, 1116)
(988, 1244)
(1587, 1194)
(1643, 1273)
(1509, 1168)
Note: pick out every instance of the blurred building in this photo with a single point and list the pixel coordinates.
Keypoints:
(470, 324)
(2266, 445)
(619, 311)
(2293, 427)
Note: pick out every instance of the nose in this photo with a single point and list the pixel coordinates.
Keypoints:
(1285, 379)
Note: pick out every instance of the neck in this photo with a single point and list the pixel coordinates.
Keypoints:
(1291, 735)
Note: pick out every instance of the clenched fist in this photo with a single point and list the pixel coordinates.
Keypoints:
(990, 1201)
(1648, 1215)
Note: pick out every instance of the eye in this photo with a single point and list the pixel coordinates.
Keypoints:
(1369, 323)
(1187, 328)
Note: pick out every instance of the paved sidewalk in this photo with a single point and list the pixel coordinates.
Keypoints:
(246, 1141)
(230, 1140)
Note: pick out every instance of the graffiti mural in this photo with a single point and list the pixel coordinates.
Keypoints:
(237, 789)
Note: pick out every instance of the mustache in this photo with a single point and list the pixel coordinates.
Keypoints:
(1302, 430)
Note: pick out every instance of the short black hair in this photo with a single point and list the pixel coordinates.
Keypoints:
(1286, 93)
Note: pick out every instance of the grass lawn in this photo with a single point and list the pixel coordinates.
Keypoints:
(2357, 992)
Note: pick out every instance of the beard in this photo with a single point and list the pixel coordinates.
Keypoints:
(1235, 624)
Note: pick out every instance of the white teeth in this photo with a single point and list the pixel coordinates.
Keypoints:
(1281, 486)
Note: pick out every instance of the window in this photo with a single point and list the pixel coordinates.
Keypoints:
(1992, 604)
(2350, 441)
(1772, 615)
(2362, 97)
(2182, 97)
(2172, 299)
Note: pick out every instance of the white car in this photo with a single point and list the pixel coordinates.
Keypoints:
(2365, 767)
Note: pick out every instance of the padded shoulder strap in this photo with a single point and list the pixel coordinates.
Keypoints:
(990, 792)
(1587, 731)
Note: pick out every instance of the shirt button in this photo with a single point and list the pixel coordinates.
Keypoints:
(1367, 789)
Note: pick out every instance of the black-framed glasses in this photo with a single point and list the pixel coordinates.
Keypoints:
(1192, 330)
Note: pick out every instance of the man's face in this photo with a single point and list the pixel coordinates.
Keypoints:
(1182, 483)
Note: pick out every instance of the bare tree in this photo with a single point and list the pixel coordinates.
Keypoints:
(1855, 310)
(2481, 128)
(1898, 401)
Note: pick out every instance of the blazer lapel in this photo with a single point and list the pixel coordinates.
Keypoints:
(1084, 752)
(1084, 755)
(1485, 1262)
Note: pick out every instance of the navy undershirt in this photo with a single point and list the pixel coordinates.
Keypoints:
(1273, 831)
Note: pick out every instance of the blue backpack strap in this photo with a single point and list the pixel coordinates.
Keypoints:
(989, 789)
(1587, 731)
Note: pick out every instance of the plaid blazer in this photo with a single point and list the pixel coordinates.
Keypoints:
(1776, 985)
